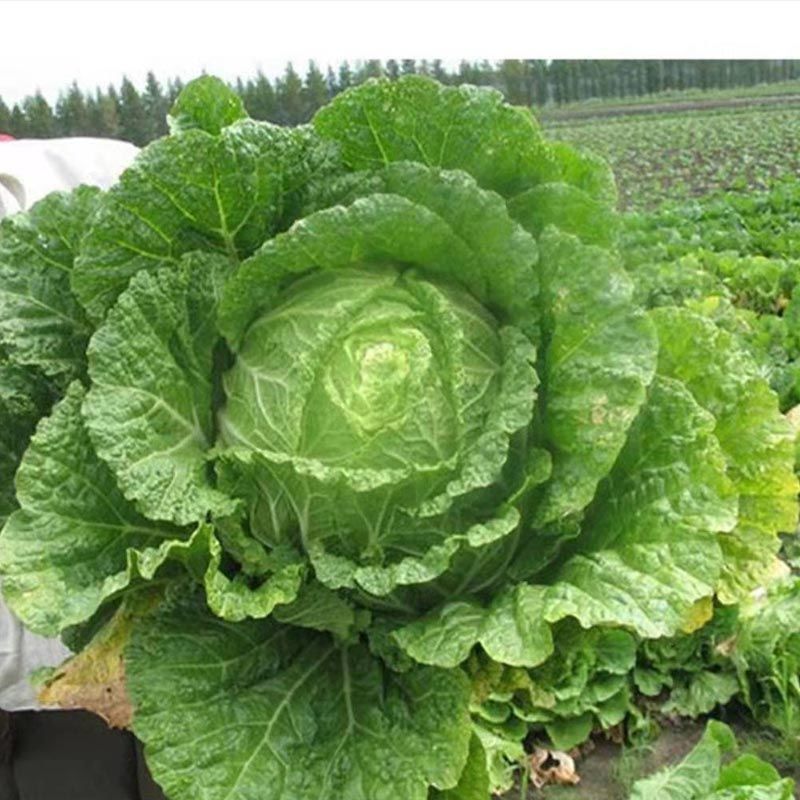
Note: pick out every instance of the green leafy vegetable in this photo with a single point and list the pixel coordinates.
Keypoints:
(372, 417)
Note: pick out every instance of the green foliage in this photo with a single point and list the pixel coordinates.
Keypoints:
(406, 468)
(703, 776)
(732, 257)
(749, 652)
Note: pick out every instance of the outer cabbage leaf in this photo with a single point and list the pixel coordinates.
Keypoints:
(75, 541)
(296, 716)
(237, 598)
(648, 553)
(757, 440)
(700, 775)
(750, 778)
(696, 776)
(194, 191)
(208, 104)
(767, 656)
(702, 694)
(94, 678)
(474, 781)
(25, 396)
(582, 686)
(502, 266)
(567, 207)
(598, 359)
(440, 222)
(41, 323)
(586, 171)
(321, 609)
(504, 753)
(459, 127)
(149, 410)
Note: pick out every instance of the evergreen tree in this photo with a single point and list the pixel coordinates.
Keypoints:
(174, 88)
(345, 76)
(438, 71)
(134, 126)
(392, 69)
(332, 83)
(290, 98)
(513, 80)
(469, 73)
(103, 114)
(40, 122)
(408, 66)
(72, 115)
(19, 124)
(259, 99)
(315, 91)
(156, 107)
(5, 118)
(539, 78)
(372, 69)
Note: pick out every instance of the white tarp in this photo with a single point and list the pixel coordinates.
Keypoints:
(30, 169)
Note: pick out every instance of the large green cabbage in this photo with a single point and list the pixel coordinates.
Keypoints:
(359, 398)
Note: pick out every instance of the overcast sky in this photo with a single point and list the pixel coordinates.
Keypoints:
(96, 43)
(47, 44)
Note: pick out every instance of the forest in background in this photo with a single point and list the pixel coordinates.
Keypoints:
(138, 115)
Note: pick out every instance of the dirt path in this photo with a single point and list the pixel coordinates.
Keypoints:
(668, 107)
(604, 776)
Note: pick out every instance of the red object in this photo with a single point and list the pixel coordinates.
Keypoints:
(4, 137)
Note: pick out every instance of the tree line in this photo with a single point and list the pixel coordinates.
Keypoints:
(139, 115)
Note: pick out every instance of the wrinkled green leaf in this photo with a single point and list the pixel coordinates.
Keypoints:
(194, 191)
(454, 127)
(757, 441)
(149, 410)
(702, 694)
(75, 541)
(208, 104)
(700, 776)
(41, 323)
(25, 396)
(474, 781)
(696, 776)
(242, 597)
(599, 357)
(568, 208)
(295, 715)
(650, 548)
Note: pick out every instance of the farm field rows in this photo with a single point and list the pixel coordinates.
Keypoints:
(667, 98)
(657, 158)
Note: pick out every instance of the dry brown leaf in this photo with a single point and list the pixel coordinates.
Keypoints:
(94, 680)
(552, 767)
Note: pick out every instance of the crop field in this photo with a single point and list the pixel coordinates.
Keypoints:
(672, 156)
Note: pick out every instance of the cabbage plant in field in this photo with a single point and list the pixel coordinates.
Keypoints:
(341, 409)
